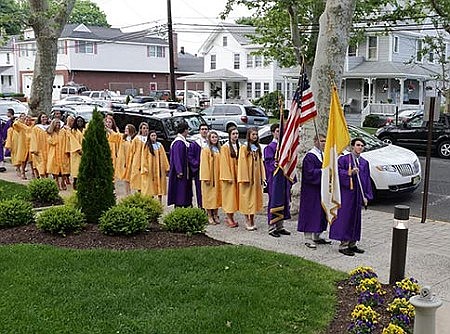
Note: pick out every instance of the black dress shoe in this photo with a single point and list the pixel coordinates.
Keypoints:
(275, 234)
(310, 245)
(347, 251)
(355, 249)
(322, 242)
(2, 169)
(283, 232)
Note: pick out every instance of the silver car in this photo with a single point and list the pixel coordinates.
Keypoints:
(223, 116)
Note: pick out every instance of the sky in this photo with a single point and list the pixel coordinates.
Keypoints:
(193, 20)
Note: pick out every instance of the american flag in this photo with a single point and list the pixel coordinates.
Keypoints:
(302, 109)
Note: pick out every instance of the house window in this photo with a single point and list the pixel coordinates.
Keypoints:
(249, 60)
(10, 80)
(224, 41)
(156, 51)
(2, 79)
(234, 91)
(24, 49)
(61, 47)
(258, 61)
(249, 90)
(280, 86)
(84, 47)
(213, 62)
(8, 59)
(395, 46)
(431, 56)
(237, 61)
(257, 89)
(419, 50)
(352, 49)
(266, 88)
(372, 48)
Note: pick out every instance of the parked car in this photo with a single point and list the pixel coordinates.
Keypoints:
(164, 122)
(157, 104)
(393, 169)
(413, 134)
(104, 95)
(160, 94)
(75, 99)
(406, 114)
(6, 103)
(194, 99)
(70, 90)
(223, 116)
(138, 100)
(84, 110)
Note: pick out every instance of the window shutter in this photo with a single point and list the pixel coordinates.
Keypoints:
(77, 49)
(95, 48)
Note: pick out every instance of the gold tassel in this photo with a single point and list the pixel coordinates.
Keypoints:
(350, 171)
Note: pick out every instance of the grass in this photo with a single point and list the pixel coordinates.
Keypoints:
(370, 130)
(11, 189)
(228, 289)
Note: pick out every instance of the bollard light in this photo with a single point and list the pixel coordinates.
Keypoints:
(399, 243)
(426, 305)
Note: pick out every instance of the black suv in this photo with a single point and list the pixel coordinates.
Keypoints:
(413, 134)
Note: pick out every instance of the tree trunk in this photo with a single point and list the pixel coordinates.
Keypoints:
(334, 30)
(47, 22)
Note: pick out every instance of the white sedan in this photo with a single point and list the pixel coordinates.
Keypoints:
(393, 169)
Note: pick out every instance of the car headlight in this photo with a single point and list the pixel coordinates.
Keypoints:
(386, 168)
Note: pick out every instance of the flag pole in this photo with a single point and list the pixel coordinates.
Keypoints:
(360, 184)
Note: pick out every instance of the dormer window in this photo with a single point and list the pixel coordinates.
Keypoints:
(352, 50)
(395, 46)
(224, 41)
(213, 62)
(372, 48)
(419, 50)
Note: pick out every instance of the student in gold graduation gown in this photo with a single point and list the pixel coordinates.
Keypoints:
(39, 145)
(209, 178)
(251, 176)
(122, 171)
(22, 144)
(66, 130)
(56, 151)
(134, 158)
(154, 167)
(229, 153)
(75, 147)
(114, 137)
(12, 144)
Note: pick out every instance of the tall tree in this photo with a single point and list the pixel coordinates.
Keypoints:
(47, 20)
(88, 13)
(10, 9)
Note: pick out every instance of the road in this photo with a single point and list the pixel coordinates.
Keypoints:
(438, 195)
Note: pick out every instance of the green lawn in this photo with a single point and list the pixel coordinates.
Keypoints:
(228, 289)
(11, 189)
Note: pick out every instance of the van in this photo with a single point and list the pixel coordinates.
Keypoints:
(71, 90)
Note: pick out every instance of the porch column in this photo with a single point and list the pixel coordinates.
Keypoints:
(420, 92)
(402, 92)
(369, 93)
(363, 83)
(224, 91)
(185, 93)
(285, 93)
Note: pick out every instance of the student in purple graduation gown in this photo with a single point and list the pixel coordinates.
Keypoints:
(356, 190)
(311, 217)
(270, 163)
(4, 126)
(195, 149)
(180, 183)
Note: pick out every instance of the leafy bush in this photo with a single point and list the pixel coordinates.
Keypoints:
(71, 200)
(15, 212)
(61, 220)
(186, 220)
(374, 121)
(270, 102)
(44, 191)
(123, 220)
(152, 208)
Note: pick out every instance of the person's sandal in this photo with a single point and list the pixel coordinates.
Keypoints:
(310, 245)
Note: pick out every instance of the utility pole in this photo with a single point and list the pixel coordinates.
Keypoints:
(171, 52)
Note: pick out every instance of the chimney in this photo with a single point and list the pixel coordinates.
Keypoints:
(182, 50)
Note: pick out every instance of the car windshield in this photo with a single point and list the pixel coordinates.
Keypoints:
(18, 107)
(372, 142)
(254, 111)
(193, 121)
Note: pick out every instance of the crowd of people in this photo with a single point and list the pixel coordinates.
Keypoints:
(231, 177)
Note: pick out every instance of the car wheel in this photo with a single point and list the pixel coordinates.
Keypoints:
(444, 149)
(387, 140)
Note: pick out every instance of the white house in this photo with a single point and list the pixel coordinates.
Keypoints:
(8, 75)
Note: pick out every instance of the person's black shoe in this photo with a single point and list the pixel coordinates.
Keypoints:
(310, 245)
(275, 234)
(355, 249)
(347, 251)
(2, 169)
(322, 242)
(283, 232)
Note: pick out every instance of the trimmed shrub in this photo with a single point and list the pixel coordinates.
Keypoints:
(61, 220)
(186, 220)
(15, 212)
(44, 190)
(71, 200)
(95, 184)
(153, 209)
(122, 220)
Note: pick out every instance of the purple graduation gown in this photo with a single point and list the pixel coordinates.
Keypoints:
(347, 226)
(311, 217)
(179, 190)
(194, 152)
(4, 126)
(270, 166)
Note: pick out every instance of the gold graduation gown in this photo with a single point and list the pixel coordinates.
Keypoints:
(39, 146)
(154, 169)
(21, 141)
(209, 178)
(75, 149)
(114, 139)
(134, 161)
(122, 171)
(56, 152)
(251, 175)
(228, 178)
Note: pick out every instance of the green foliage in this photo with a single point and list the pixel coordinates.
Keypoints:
(71, 200)
(152, 208)
(186, 220)
(271, 102)
(11, 18)
(95, 184)
(122, 220)
(61, 220)
(374, 121)
(15, 212)
(44, 190)
(9, 190)
(88, 13)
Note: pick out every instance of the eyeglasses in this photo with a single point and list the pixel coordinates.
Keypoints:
(362, 145)
(323, 141)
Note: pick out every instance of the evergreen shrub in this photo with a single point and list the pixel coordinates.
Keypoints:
(186, 220)
(152, 208)
(95, 183)
(15, 212)
(44, 191)
(71, 200)
(122, 220)
(61, 220)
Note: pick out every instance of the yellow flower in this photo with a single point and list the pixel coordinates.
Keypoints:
(393, 329)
